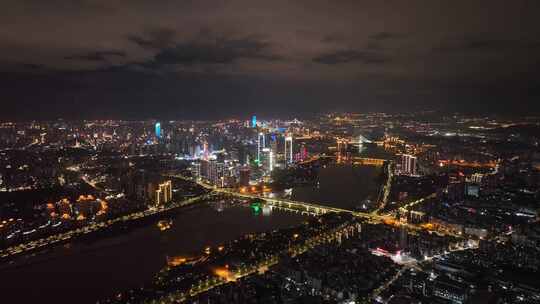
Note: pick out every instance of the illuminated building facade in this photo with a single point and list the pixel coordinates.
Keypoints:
(261, 144)
(408, 164)
(288, 150)
(273, 143)
(213, 171)
(267, 159)
(164, 193)
(158, 129)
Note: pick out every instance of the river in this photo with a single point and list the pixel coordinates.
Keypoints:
(347, 186)
(84, 272)
(342, 186)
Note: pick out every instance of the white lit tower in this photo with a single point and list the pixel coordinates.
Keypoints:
(288, 149)
(267, 159)
(408, 164)
(261, 144)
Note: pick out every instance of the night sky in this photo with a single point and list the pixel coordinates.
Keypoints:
(211, 59)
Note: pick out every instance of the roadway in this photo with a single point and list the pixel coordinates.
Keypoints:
(386, 188)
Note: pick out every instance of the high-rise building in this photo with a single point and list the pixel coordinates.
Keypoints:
(196, 170)
(261, 144)
(271, 161)
(267, 159)
(288, 150)
(158, 129)
(244, 176)
(254, 121)
(239, 153)
(472, 189)
(408, 164)
(163, 193)
(303, 152)
(215, 172)
(456, 191)
(273, 143)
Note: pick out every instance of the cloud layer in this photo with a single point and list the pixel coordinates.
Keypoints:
(353, 54)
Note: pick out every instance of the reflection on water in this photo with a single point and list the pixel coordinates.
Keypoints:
(347, 186)
(373, 151)
(164, 224)
(342, 186)
(88, 271)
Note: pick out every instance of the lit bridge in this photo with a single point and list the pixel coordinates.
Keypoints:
(355, 160)
(368, 161)
(314, 208)
(278, 202)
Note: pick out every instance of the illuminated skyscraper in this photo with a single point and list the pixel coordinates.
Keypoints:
(158, 130)
(261, 144)
(163, 193)
(267, 159)
(408, 164)
(288, 150)
(215, 172)
(273, 143)
(254, 121)
(271, 161)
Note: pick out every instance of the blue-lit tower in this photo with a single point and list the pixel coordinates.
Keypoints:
(158, 130)
(254, 121)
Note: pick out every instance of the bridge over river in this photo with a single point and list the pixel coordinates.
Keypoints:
(313, 207)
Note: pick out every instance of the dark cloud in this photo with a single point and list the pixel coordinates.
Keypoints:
(31, 66)
(347, 56)
(141, 56)
(487, 45)
(96, 56)
(214, 51)
(386, 36)
(334, 37)
(155, 39)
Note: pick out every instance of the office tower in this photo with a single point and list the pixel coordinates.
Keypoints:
(158, 130)
(216, 172)
(303, 152)
(472, 189)
(254, 121)
(261, 144)
(273, 143)
(288, 150)
(205, 150)
(196, 170)
(271, 161)
(267, 159)
(408, 164)
(242, 154)
(244, 176)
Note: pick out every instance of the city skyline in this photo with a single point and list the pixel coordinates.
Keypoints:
(272, 152)
(392, 205)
